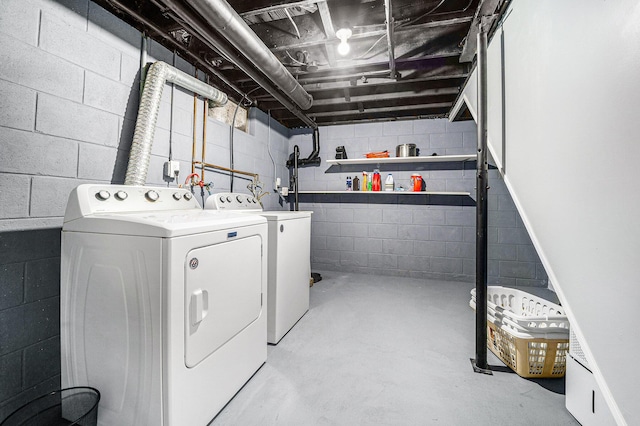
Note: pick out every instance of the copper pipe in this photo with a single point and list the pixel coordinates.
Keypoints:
(204, 134)
(226, 169)
(195, 118)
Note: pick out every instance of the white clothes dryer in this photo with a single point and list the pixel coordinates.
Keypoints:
(163, 305)
(289, 261)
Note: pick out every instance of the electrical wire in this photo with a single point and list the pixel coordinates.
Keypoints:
(286, 11)
(297, 62)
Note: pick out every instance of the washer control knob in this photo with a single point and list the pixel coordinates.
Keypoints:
(239, 198)
(103, 195)
(152, 195)
(177, 196)
(222, 199)
(187, 196)
(229, 199)
(121, 195)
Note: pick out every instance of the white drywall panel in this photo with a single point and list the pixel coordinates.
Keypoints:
(571, 105)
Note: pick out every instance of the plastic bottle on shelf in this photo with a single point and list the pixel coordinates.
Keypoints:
(388, 183)
(365, 181)
(376, 183)
(349, 184)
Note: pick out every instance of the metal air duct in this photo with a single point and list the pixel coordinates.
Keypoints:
(220, 15)
(159, 73)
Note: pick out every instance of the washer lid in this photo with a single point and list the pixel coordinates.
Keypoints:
(166, 224)
(284, 215)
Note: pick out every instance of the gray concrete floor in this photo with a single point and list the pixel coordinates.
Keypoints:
(378, 350)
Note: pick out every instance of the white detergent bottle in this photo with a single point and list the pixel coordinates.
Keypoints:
(388, 183)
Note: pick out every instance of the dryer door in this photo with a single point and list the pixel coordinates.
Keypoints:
(223, 294)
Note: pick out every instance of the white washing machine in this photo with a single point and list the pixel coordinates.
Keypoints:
(289, 260)
(163, 305)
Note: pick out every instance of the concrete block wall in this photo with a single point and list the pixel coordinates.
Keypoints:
(407, 235)
(69, 89)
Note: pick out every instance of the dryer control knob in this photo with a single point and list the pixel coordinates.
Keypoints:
(187, 196)
(152, 195)
(239, 198)
(121, 195)
(229, 199)
(177, 196)
(222, 199)
(103, 195)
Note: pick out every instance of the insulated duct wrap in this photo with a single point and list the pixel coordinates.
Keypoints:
(159, 73)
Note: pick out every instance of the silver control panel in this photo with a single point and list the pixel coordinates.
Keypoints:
(232, 201)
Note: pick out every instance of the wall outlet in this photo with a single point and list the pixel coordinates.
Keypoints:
(172, 169)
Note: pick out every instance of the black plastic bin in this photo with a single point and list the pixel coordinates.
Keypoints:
(71, 406)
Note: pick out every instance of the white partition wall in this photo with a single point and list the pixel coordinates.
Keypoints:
(572, 155)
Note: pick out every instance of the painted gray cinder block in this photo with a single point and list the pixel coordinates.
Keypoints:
(71, 12)
(354, 258)
(513, 236)
(428, 126)
(41, 361)
(511, 269)
(352, 229)
(428, 216)
(446, 265)
(60, 117)
(398, 247)
(429, 248)
(49, 196)
(113, 31)
(395, 215)
(111, 96)
(97, 162)
(340, 243)
(37, 154)
(11, 283)
(456, 249)
(378, 260)
(414, 263)
(445, 140)
(11, 373)
(34, 68)
(14, 195)
(413, 232)
(78, 47)
(395, 128)
(446, 233)
(368, 245)
(20, 20)
(42, 279)
(383, 230)
(17, 106)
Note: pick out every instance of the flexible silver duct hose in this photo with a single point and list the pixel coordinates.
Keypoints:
(159, 73)
(226, 20)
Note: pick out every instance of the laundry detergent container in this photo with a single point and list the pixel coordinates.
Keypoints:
(71, 406)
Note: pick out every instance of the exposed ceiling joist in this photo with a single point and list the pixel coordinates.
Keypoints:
(425, 37)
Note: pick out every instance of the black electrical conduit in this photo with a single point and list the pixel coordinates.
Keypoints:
(198, 27)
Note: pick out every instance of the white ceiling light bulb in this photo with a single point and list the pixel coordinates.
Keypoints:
(343, 34)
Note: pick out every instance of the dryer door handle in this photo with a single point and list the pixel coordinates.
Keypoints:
(199, 306)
